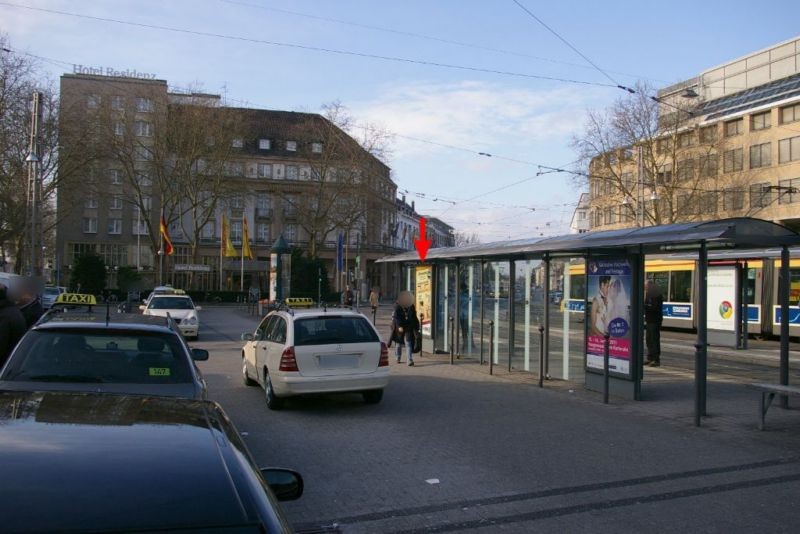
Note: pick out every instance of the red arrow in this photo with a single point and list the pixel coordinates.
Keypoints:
(422, 244)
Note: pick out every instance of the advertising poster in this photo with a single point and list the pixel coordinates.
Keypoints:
(424, 295)
(609, 287)
(721, 298)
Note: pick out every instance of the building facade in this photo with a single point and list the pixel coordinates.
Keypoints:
(727, 145)
(213, 170)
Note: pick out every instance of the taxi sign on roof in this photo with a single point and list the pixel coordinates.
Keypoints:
(76, 298)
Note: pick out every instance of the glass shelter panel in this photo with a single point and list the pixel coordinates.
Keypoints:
(469, 310)
(529, 305)
(496, 288)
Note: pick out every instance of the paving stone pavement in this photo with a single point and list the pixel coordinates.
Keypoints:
(451, 449)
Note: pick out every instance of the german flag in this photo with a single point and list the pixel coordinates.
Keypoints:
(168, 249)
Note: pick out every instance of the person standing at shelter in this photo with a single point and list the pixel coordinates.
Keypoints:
(405, 326)
(653, 317)
(12, 325)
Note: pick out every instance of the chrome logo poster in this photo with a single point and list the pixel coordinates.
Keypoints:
(721, 297)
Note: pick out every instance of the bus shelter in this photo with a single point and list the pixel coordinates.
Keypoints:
(509, 303)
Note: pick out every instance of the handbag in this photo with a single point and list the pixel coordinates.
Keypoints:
(417, 342)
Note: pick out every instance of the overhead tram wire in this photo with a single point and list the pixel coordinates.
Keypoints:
(395, 59)
(421, 36)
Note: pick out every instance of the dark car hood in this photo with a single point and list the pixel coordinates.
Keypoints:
(96, 461)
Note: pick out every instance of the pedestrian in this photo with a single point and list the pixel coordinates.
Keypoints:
(374, 299)
(347, 296)
(653, 317)
(12, 325)
(405, 326)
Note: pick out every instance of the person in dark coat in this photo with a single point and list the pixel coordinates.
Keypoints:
(32, 310)
(12, 325)
(653, 317)
(405, 326)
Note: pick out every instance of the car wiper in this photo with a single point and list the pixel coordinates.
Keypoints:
(66, 378)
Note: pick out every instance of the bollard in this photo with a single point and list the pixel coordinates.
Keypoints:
(491, 347)
(374, 313)
(698, 388)
(541, 356)
(451, 339)
(606, 337)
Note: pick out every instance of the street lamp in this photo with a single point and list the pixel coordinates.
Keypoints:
(278, 249)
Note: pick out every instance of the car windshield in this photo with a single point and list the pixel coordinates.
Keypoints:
(333, 329)
(171, 303)
(52, 291)
(107, 356)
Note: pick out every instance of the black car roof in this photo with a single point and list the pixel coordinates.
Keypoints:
(106, 462)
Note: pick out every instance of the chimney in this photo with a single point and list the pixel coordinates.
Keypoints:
(404, 199)
(412, 206)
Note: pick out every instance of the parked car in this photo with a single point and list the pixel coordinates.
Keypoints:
(50, 294)
(179, 307)
(162, 290)
(315, 351)
(78, 462)
(87, 348)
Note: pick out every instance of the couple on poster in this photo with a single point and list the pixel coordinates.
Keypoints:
(609, 303)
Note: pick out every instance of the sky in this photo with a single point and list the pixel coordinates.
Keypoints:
(483, 76)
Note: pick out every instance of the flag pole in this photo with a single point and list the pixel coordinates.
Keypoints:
(161, 250)
(241, 269)
(221, 245)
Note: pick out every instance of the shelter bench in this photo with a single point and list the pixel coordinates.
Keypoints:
(768, 392)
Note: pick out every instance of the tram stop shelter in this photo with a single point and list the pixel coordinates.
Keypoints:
(504, 302)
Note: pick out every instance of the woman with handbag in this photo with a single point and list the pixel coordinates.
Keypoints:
(405, 326)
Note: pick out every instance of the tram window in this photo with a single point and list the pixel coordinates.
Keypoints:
(750, 287)
(680, 287)
(577, 286)
(661, 278)
(794, 287)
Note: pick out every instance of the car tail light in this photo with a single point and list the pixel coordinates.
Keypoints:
(384, 361)
(288, 361)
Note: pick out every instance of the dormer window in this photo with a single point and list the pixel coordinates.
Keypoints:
(264, 144)
(291, 146)
(316, 148)
(237, 143)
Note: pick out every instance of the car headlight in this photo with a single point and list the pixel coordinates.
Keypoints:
(191, 320)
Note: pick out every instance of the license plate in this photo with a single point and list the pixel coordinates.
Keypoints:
(338, 361)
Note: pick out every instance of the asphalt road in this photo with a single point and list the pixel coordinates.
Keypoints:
(451, 449)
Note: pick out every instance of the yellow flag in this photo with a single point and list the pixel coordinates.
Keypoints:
(246, 252)
(227, 247)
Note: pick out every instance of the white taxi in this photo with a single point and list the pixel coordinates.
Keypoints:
(315, 351)
(179, 307)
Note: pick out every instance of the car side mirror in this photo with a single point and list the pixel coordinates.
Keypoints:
(199, 355)
(286, 484)
(198, 308)
(247, 337)
(142, 307)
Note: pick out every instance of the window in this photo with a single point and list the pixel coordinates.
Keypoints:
(709, 165)
(237, 143)
(627, 180)
(732, 199)
(733, 127)
(760, 195)
(144, 105)
(790, 113)
(316, 148)
(708, 203)
(116, 203)
(611, 215)
(143, 179)
(290, 206)
(685, 169)
(709, 134)
(117, 103)
(114, 226)
(119, 128)
(89, 225)
(262, 232)
(291, 172)
(236, 231)
(789, 191)
(139, 227)
(664, 174)
(760, 121)
(93, 101)
(208, 231)
(91, 203)
(663, 146)
(146, 202)
(291, 146)
(234, 168)
(116, 176)
(760, 155)
(290, 231)
(680, 286)
(732, 160)
(789, 149)
(263, 205)
(237, 201)
(264, 144)
(142, 153)
(143, 128)
(686, 139)
(265, 170)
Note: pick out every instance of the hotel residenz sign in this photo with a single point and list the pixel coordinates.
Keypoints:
(110, 71)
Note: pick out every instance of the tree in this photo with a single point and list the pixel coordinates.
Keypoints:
(306, 275)
(463, 239)
(58, 167)
(660, 167)
(342, 183)
(129, 279)
(89, 274)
